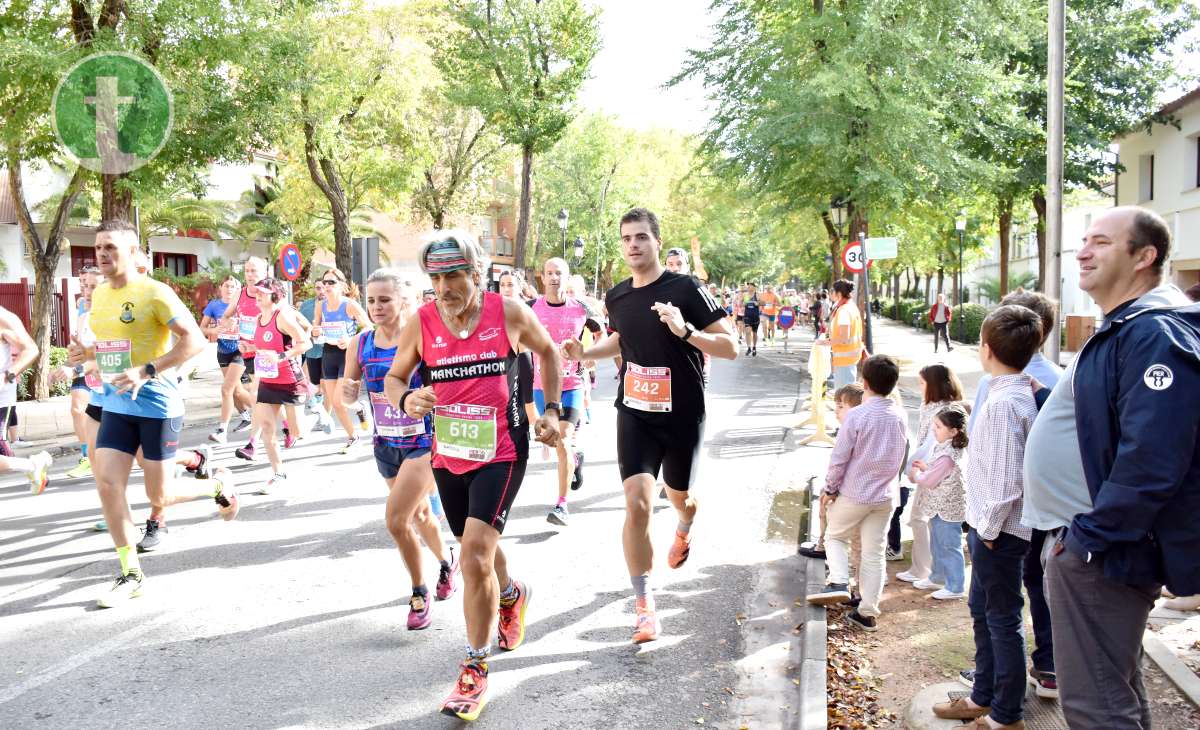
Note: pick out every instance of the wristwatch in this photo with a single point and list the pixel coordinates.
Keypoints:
(150, 371)
(690, 331)
(9, 376)
(555, 406)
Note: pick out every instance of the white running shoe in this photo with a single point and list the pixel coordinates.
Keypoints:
(127, 586)
(40, 476)
(926, 585)
(275, 482)
(218, 436)
(944, 595)
(225, 493)
(907, 577)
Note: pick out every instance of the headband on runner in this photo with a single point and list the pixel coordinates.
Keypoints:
(445, 256)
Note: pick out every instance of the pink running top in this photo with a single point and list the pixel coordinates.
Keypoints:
(564, 322)
(247, 316)
(475, 381)
(269, 339)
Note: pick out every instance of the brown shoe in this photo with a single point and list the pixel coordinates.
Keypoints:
(981, 723)
(959, 710)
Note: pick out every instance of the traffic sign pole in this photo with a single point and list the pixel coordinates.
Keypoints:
(866, 273)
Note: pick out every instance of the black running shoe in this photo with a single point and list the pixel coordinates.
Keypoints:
(152, 537)
(577, 481)
(866, 623)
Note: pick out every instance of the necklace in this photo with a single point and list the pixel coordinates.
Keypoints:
(466, 330)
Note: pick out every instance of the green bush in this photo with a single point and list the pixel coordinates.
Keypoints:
(971, 317)
(58, 356)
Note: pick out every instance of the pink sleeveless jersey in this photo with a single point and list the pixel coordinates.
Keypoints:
(268, 338)
(475, 374)
(247, 316)
(563, 322)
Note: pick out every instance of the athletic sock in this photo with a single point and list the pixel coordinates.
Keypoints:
(25, 465)
(127, 554)
(641, 587)
(83, 450)
(509, 592)
(562, 500)
(420, 590)
(478, 655)
(683, 528)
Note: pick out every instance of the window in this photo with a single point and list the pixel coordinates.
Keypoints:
(177, 264)
(82, 256)
(1146, 178)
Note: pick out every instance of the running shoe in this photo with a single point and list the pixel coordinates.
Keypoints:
(943, 594)
(893, 556)
(812, 550)
(907, 576)
(754, 352)
(866, 623)
(275, 482)
(245, 422)
(100, 526)
(577, 481)
(127, 586)
(446, 585)
(245, 452)
(420, 609)
(470, 693)
(511, 632)
(926, 585)
(40, 476)
(681, 548)
(830, 595)
(152, 536)
(967, 677)
(350, 444)
(326, 425)
(218, 436)
(226, 495)
(1045, 684)
(558, 515)
(202, 470)
(82, 469)
(289, 439)
(648, 626)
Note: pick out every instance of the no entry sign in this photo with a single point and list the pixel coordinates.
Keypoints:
(290, 262)
(787, 317)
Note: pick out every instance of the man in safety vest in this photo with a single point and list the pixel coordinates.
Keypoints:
(845, 334)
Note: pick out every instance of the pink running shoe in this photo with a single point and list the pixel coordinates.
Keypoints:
(419, 610)
(648, 626)
(446, 585)
(511, 631)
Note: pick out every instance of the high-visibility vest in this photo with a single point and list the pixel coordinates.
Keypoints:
(846, 350)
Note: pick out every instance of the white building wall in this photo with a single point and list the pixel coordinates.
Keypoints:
(1176, 182)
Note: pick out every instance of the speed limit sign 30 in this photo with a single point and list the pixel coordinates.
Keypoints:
(852, 257)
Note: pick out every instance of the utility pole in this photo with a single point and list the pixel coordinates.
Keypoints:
(1054, 167)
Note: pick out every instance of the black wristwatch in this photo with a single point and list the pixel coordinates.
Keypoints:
(690, 331)
(10, 376)
(554, 406)
(150, 370)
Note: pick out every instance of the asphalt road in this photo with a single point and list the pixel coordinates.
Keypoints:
(294, 614)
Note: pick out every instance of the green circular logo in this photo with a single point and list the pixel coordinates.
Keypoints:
(112, 112)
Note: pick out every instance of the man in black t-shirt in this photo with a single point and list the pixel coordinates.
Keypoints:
(663, 323)
(751, 313)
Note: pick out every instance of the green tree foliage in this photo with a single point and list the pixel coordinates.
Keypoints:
(520, 63)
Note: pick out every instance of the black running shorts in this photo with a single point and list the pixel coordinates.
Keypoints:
(313, 364)
(486, 493)
(158, 438)
(94, 412)
(280, 394)
(333, 363)
(225, 359)
(644, 448)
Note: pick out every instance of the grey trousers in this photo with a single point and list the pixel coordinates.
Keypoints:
(1098, 626)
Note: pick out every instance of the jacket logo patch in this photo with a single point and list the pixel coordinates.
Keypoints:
(1158, 377)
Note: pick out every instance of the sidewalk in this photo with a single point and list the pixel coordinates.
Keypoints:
(47, 424)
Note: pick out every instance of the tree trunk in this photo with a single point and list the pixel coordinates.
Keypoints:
(43, 299)
(526, 201)
(941, 280)
(896, 295)
(325, 176)
(116, 200)
(1039, 205)
(928, 283)
(1005, 221)
(835, 247)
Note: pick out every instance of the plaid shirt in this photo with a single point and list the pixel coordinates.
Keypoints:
(869, 453)
(995, 486)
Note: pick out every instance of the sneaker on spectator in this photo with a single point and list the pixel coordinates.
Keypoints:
(907, 577)
(893, 556)
(967, 677)
(1045, 684)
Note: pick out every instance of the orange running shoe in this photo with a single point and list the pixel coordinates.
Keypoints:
(680, 549)
(647, 627)
(470, 693)
(511, 631)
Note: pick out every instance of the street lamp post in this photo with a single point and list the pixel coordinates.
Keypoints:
(837, 211)
(578, 246)
(563, 216)
(960, 225)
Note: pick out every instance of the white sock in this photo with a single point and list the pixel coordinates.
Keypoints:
(25, 465)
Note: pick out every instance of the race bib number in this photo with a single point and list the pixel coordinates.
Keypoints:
(229, 329)
(332, 332)
(247, 326)
(466, 431)
(114, 357)
(92, 380)
(648, 389)
(266, 363)
(393, 422)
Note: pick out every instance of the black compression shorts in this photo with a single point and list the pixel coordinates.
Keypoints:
(225, 359)
(644, 448)
(486, 493)
(333, 363)
(94, 412)
(158, 438)
(314, 369)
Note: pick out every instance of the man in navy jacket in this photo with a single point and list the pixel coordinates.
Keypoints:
(1136, 392)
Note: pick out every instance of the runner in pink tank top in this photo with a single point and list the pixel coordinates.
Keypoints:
(465, 344)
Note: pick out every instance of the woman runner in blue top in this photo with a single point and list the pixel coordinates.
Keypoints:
(338, 318)
(402, 444)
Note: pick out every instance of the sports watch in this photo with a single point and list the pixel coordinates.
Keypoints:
(555, 406)
(150, 370)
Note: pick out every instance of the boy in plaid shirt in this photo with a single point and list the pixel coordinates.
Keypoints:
(997, 540)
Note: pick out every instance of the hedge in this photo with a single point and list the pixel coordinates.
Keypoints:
(972, 315)
(58, 357)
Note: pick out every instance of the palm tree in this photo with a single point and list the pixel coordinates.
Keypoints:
(989, 287)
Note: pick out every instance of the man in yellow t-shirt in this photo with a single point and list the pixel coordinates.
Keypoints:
(133, 318)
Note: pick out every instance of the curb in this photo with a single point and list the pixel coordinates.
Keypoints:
(1172, 666)
(812, 699)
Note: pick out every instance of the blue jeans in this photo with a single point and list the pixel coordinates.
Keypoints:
(996, 604)
(945, 539)
(844, 375)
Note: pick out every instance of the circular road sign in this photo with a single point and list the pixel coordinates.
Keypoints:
(852, 257)
(290, 262)
(787, 317)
